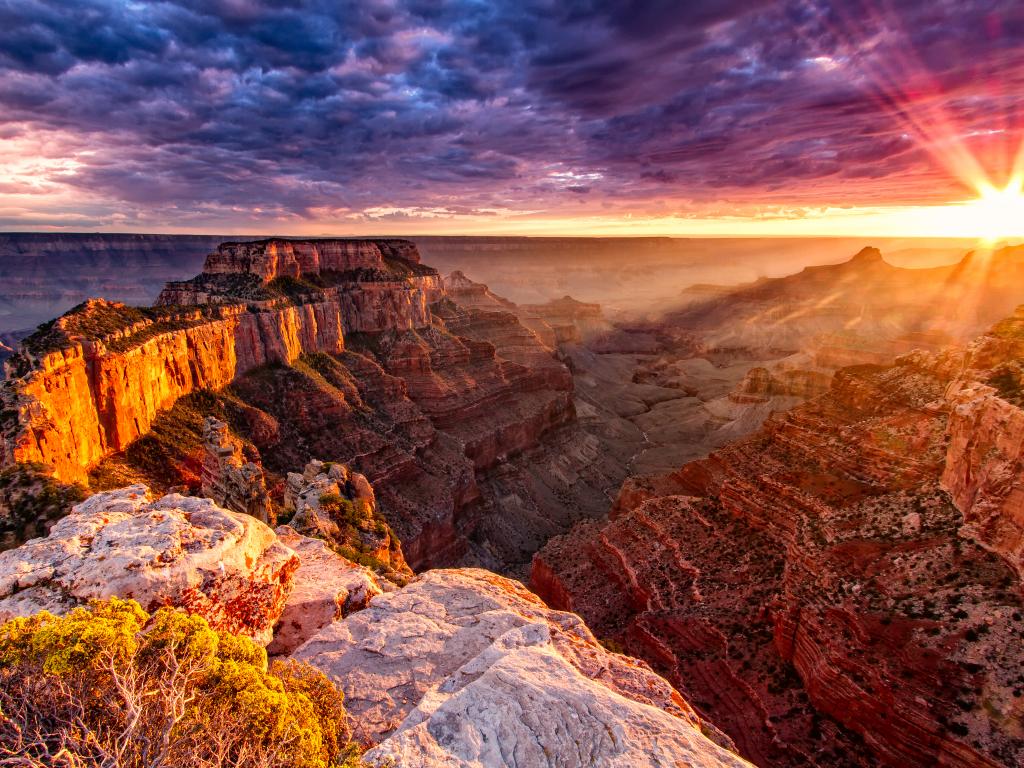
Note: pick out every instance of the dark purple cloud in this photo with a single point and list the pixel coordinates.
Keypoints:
(311, 110)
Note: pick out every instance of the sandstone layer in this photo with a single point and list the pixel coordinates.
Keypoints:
(868, 541)
(465, 668)
(181, 551)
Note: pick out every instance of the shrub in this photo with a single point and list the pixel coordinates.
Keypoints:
(112, 686)
(31, 501)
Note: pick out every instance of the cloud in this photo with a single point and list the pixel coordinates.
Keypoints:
(271, 110)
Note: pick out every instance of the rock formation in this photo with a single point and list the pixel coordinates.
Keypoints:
(99, 377)
(466, 668)
(461, 667)
(338, 506)
(347, 351)
(178, 550)
(108, 370)
(879, 560)
(326, 587)
(228, 479)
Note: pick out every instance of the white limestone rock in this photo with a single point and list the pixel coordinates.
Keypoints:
(327, 587)
(178, 550)
(466, 668)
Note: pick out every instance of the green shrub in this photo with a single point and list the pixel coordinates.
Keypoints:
(31, 501)
(112, 686)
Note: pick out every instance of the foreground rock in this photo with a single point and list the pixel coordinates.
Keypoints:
(465, 668)
(181, 551)
(326, 587)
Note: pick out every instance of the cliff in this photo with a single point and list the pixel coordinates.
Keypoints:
(344, 351)
(228, 567)
(497, 678)
(849, 576)
(78, 403)
(94, 380)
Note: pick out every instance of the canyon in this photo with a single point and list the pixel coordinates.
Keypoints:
(346, 351)
(815, 528)
(848, 578)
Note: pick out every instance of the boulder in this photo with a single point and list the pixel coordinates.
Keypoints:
(466, 668)
(327, 587)
(178, 550)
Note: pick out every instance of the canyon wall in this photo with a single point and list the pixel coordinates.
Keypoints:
(337, 351)
(86, 389)
(846, 579)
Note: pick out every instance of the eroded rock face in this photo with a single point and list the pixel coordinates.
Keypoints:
(96, 380)
(465, 668)
(984, 470)
(181, 551)
(337, 505)
(348, 353)
(227, 478)
(868, 541)
(95, 396)
(270, 259)
(326, 588)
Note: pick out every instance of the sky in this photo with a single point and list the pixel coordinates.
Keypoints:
(574, 117)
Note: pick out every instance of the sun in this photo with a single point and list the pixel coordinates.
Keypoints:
(998, 214)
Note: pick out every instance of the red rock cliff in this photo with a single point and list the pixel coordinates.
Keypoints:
(850, 574)
(95, 380)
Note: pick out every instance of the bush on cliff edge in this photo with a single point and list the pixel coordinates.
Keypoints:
(112, 686)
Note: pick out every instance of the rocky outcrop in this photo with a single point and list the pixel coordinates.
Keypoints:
(466, 668)
(984, 465)
(570, 320)
(96, 394)
(337, 505)
(867, 541)
(761, 384)
(274, 258)
(984, 470)
(228, 479)
(326, 588)
(182, 551)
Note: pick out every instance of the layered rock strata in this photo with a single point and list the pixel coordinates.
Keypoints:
(348, 351)
(879, 562)
(228, 479)
(94, 381)
(182, 551)
(465, 668)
